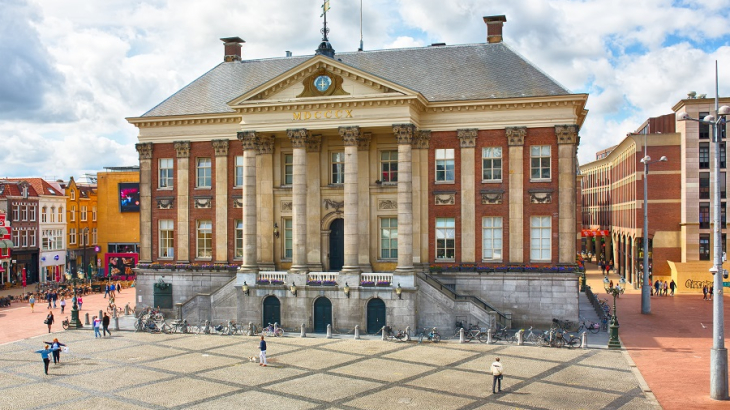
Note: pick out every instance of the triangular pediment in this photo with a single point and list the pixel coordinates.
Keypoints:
(321, 78)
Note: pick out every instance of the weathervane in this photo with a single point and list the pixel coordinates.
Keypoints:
(325, 48)
(325, 30)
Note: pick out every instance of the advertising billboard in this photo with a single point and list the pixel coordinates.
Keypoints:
(129, 196)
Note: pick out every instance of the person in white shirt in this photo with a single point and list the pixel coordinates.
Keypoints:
(497, 373)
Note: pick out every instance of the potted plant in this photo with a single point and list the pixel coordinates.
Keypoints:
(383, 283)
(367, 283)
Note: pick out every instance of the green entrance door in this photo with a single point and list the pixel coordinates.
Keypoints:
(376, 315)
(322, 315)
(272, 311)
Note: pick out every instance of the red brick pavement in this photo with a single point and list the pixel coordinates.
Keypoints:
(17, 322)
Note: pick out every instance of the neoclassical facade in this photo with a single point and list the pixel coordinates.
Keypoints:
(363, 188)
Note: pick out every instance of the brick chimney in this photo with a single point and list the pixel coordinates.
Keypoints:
(494, 28)
(232, 48)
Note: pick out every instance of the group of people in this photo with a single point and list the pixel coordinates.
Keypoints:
(707, 292)
(102, 323)
(111, 288)
(660, 288)
(51, 349)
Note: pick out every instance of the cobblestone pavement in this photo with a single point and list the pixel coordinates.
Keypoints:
(147, 371)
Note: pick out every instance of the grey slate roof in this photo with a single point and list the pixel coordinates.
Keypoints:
(439, 73)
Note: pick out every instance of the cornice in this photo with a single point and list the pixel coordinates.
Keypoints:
(176, 121)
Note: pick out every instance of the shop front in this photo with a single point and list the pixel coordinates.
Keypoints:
(52, 266)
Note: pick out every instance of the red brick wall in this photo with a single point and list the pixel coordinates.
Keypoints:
(200, 150)
(235, 148)
(162, 151)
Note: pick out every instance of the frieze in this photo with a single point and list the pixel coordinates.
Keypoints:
(384, 204)
(492, 196)
(516, 135)
(321, 115)
(467, 137)
(445, 198)
(165, 202)
(566, 134)
(220, 147)
(144, 149)
(349, 135)
(182, 148)
(286, 206)
(336, 205)
(541, 196)
(203, 202)
(404, 133)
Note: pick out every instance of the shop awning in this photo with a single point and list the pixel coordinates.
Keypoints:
(6, 243)
(3, 231)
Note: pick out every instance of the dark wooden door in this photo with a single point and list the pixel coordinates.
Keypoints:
(376, 315)
(337, 245)
(322, 315)
(272, 311)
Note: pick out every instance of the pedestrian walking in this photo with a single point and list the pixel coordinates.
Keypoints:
(49, 298)
(56, 347)
(119, 287)
(112, 289)
(44, 355)
(611, 284)
(54, 296)
(608, 269)
(63, 303)
(656, 288)
(106, 291)
(32, 303)
(704, 292)
(672, 286)
(262, 355)
(105, 324)
(79, 301)
(49, 321)
(497, 375)
(96, 323)
(710, 291)
(666, 288)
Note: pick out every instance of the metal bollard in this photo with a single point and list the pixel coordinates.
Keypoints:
(357, 332)
(583, 340)
(87, 319)
(101, 314)
(329, 331)
(303, 333)
(489, 336)
(384, 336)
(116, 323)
(126, 310)
(462, 336)
(250, 329)
(521, 337)
(408, 333)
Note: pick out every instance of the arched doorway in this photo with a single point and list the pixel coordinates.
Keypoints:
(376, 315)
(272, 311)
(322, 315)
(337, 244)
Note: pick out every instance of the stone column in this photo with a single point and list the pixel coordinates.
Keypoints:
(314, 203)
(145, 201)
(299, 139)
(363, 209)
(221, 200)
(467, 142)
(265, 202)
(567, 136)
(250, 146)
(349, 136)
(516, 140)
(420, 205)
(182, 149)
(404, 136)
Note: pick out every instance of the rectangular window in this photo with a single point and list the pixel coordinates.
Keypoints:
(16, 240)
(73, 195)
(32, 238)
(288, 239)
(44, 214)
(723, 219)
(704, 185)
(166, 169)
(389, 238)
(25, 239)
(704, 128)
(94, 236)
(83, 213)
(93, 213)
(492, 164)
(288, 169)
(492, 238)
(723, 155)
(338, 167)
(203, 172)
(167, 238)
(205, 239)
(16, 212)
(53, 214)
(704, 215)
(73, 213)
(52, 239)
(445, 165)
(86, 236)
(723, 185)
(238, 251)
(540, 162)
(445, 238)
(72, 236)
(24, 213)
(32, 213)
(704, 155)
(239, 172)
(540, 238)
(60, 214)
(704, 247)
(389, 166)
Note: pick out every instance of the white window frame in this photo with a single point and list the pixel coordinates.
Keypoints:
(337, 167)
(166, 239)
(387, 163)
(44, 214)
(94, 236)
(73, 195)
(445, 233)
(541, 238)
(72, 236)
(16, 212)
(388, 238)
(32, 213)
(32, 238)
(72, 214)
(24, 212)
(52, 214)
(204, 239)
(288, 238)
(238, 175)
(24, 239)
(165, 173)
(238, 239)
(445, 159)
(93, 213)
(540, 153)
(60, 214)
(203, 172)
(84, 213)
(288, 174)
(490, 157)
(492, 238)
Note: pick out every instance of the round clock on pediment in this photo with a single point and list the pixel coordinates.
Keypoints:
(322, 83)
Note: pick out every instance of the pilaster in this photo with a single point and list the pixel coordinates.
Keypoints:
(567, 136)
(404, 134)
(516, 141)
(221, 200)
(145, 198)
(467, 142)
(182, 183)
(421, 144)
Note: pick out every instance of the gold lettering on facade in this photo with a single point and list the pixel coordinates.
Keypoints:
(320, 115)
(297, 115)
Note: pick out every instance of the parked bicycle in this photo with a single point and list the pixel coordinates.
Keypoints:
(587, 325)
(399, 335)
(273, 329)
(501, 334)
(532, 336)
(432, 335)
(65, 323)
(475, 332)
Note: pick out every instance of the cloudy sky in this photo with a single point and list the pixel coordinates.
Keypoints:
(72, 70)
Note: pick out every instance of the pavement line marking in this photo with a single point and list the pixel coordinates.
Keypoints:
(648, 393)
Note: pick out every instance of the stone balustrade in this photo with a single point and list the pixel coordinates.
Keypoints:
(322, 277)
(376, 278)
(272, 277)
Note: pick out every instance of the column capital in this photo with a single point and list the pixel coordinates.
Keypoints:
(363, 143)
(248, 139)
(144, 149)
(220, 147)
(265, 144)
(182, 148)
(516, 135)
(314, 143)
(404, 133)
(298, 137)
(567, 134)
(422, 139)
(467, 137)
(349, 135)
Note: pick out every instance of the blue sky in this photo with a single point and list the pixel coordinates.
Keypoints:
(73, 70)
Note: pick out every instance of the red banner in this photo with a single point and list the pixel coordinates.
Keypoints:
(594, 232)
(24, 278)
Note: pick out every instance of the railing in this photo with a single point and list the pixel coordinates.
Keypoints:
(272, 277)
(376, 278)
(501, 317)
(596, 306)
(322, 277)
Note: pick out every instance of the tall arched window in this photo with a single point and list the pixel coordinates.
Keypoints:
(44, 214)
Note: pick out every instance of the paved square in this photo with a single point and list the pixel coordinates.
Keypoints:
(142, 371)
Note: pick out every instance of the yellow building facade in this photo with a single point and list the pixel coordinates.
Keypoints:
(118, 223)
(82, 225)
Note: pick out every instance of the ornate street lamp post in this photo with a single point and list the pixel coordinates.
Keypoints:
(75, 323)
(613, 342)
